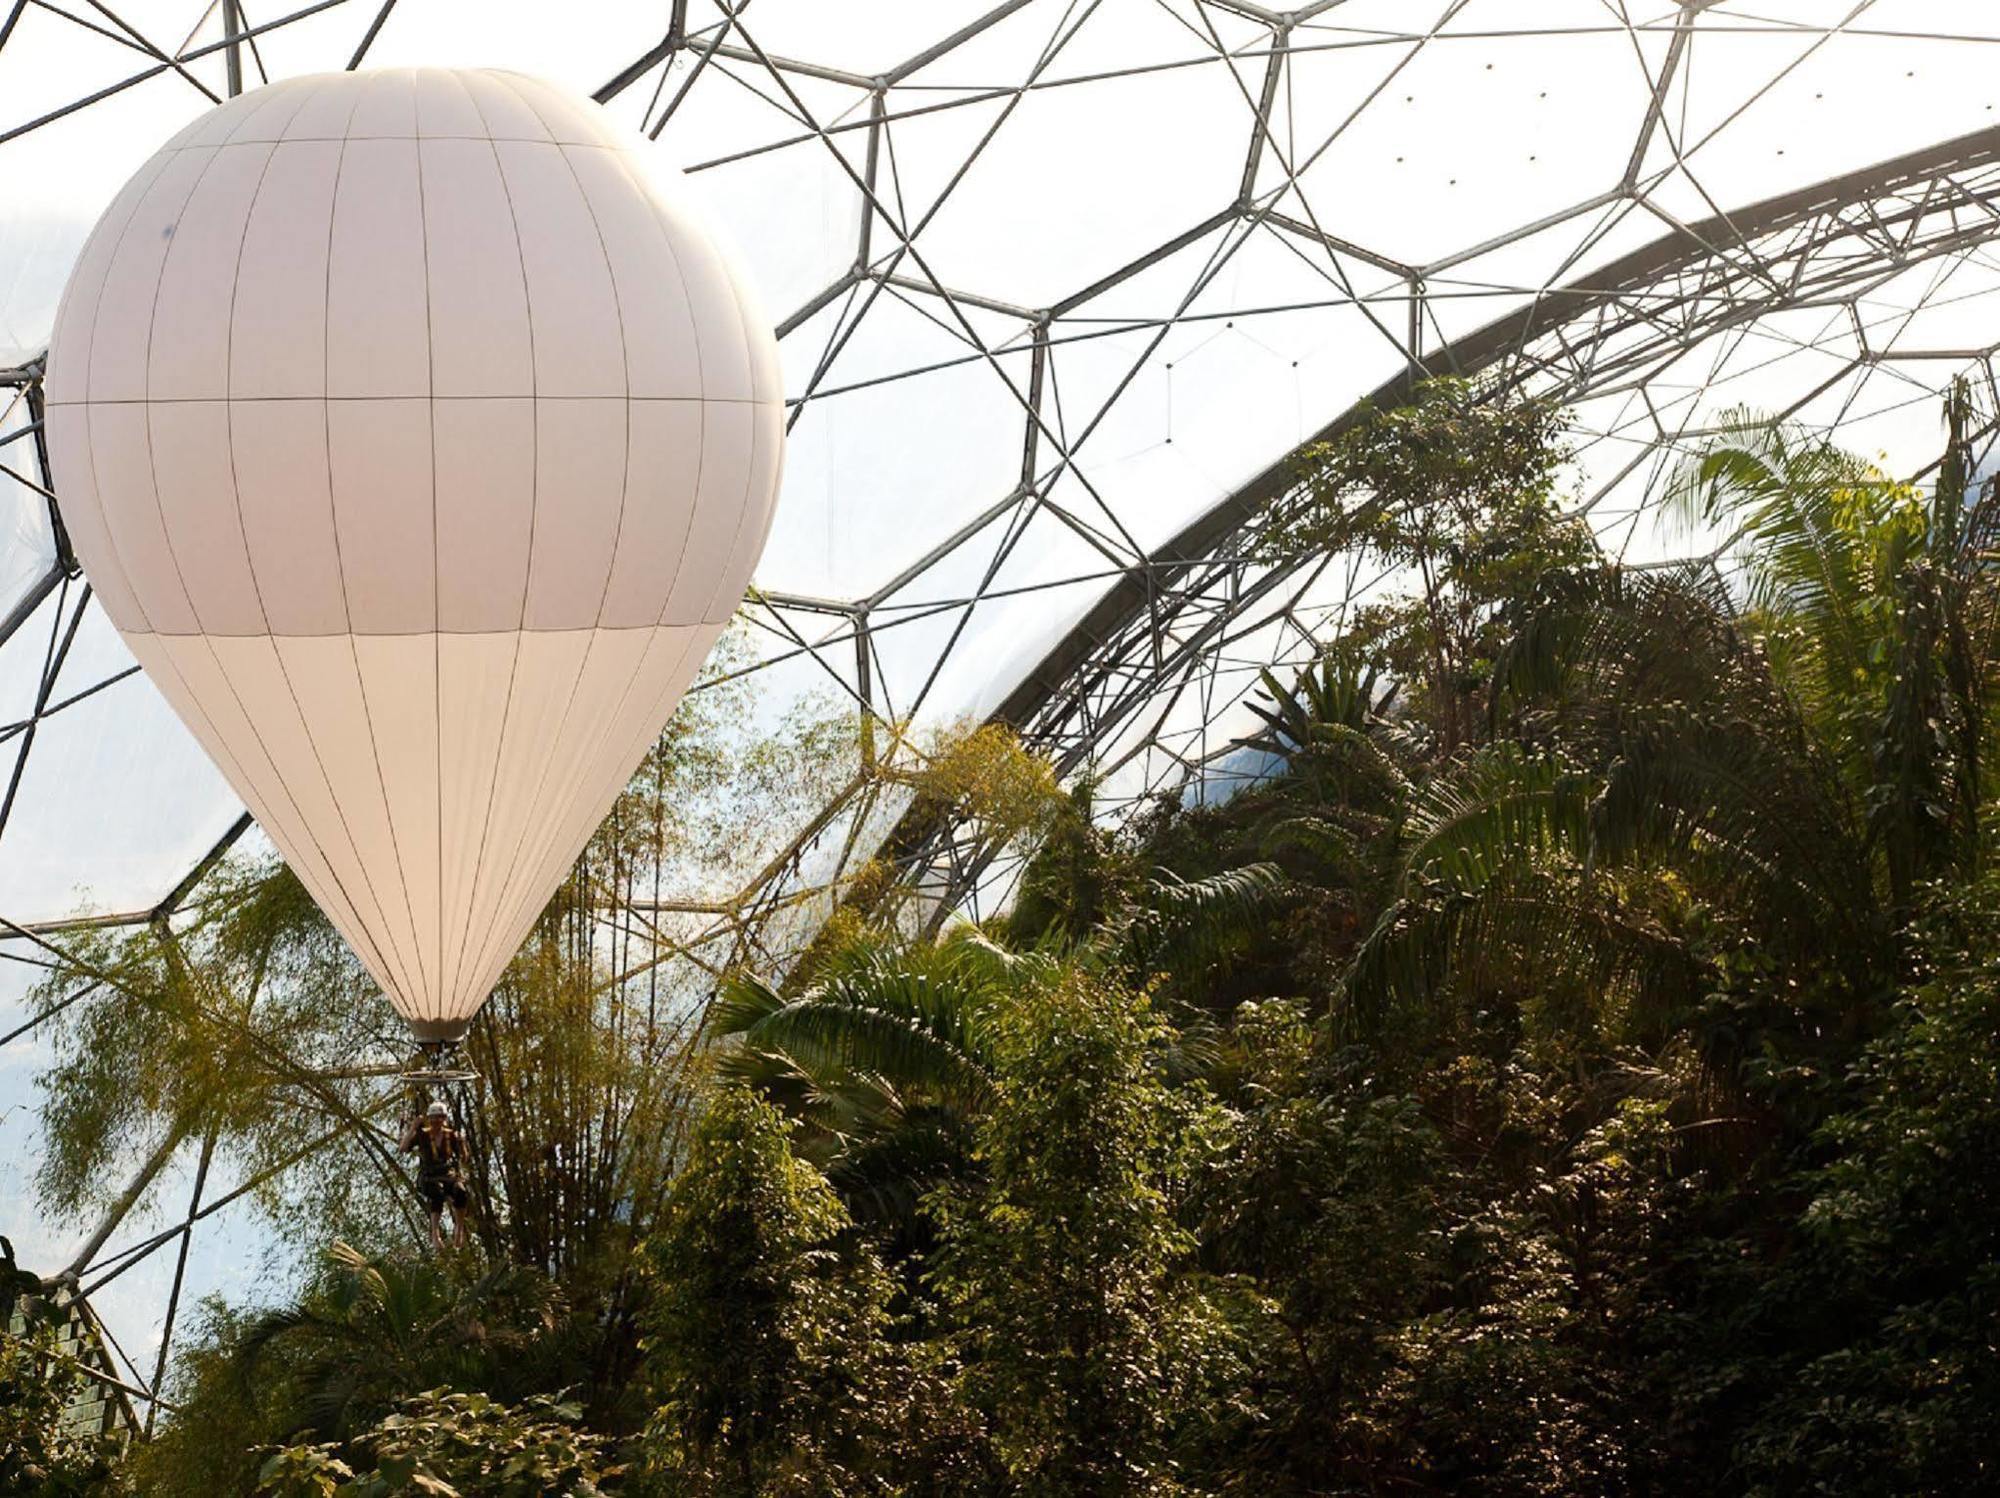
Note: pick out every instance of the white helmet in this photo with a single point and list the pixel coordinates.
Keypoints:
(437, 1110)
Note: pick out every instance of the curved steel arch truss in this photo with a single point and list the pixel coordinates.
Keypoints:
(1164, 630)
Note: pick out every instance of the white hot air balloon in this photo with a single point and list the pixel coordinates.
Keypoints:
(420, 442)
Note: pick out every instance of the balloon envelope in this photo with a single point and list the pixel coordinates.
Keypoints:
(420, 442)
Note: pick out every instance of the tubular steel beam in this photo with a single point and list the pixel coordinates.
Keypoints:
(116, 1212)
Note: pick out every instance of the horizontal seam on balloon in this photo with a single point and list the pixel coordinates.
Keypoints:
(265, 140)
(412, 634)
(213, 400)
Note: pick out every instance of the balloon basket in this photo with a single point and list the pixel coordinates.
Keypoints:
(440, 1076)
(438, 1066)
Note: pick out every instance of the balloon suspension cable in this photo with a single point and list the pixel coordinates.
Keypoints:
(439, 1066)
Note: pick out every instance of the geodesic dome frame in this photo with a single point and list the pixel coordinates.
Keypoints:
(1062, 284)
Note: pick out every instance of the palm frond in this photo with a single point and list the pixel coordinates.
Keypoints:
(884, 1178)
(1818, 533)
(742, 1002)
(1337, 690)
(1501, 807)
(1530, 934)
(1188, 922)
(1336, 838)
(1755, 812)
(827, 1038)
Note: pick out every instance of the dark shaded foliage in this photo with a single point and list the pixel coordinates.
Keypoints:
(1571, 1071)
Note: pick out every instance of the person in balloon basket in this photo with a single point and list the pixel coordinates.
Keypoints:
(440, 1151)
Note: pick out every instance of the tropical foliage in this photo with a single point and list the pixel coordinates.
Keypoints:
(38, 1381)
(764, 1344)
(445, 1444)
(1567, 1067)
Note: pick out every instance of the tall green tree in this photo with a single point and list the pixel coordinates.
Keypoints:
(1886, 1371)
(1455, 494)
(765, 1346)
(1874, 601)
(1066, 1270)
(887, 1051)
(1689, 775)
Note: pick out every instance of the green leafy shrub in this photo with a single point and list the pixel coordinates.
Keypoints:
(447, 1444)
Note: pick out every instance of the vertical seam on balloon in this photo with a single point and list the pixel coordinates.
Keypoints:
(428, 1008)
(229, 417)
(667, 243)
(152, 322)
(249, 112)
(382, 784)
(353, 649)
(537, 832)
(171, 665)
(492, 787)
(742, 510)
(437, 568)
(539, 828)
(651, 212)
(512, 913)
(534, 419)
(215, 152)
(85, 408)
(742, 519)
(389, 942)
(158, 164)
(514, 659)
(296, 96)
(340, 568)
(403, 963)
(534, 397)
(326, 371)
(228, 385)
(438, 996)
(277, 771)
(256, 587)
(742, 323)
(647, 731)
(304, 824)
(333, 798)
(63, 307)
(547, 833)
(516, 864)
(521, 913)
(618, 317)
(437, 747)
(90, 406)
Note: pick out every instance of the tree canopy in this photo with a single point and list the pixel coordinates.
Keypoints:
(1568, 1068)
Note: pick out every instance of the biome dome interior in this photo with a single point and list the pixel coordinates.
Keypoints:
(1059, 287)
